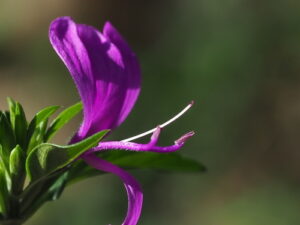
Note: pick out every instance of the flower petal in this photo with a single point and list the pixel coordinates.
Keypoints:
(134, 192)
(105, 70)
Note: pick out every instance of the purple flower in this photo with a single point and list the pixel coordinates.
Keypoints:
(107, 75)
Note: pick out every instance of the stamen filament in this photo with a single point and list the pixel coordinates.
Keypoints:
(162, 125)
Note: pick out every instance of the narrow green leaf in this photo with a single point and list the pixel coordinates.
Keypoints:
(17, 169)
(57, 188)
(4, 195)
(18, 121)
(45, 113)
(149, 160)
(47, 158)
(4, 164)
(38, 135)
(63, 118)
(11, 104)
(39, 121)
(7, 115)
(47, 189)
(7, 138)
(16, 161)
(172, 162)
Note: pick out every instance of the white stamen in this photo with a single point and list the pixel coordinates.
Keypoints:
(162, 125)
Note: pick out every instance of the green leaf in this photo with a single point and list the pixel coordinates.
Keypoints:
(171, 162)
(63, 118)
(17, 169)
(38, 125)
(38, 136)
(149, 160)
(57, 188)
(4, 195)
(16, 161)
(7, 138)
(47, 158)
(4, 165)
(47, 189)
(44, 114)
(18, 121)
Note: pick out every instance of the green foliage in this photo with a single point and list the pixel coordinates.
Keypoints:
(18, 121)
(4, 196)
(15, 160)
(7, 137)
(48, 158)
(149, 160)
(25, 155)
(48, 188)
(37, 127)
(63, 118)
(17, 169)
(170, 162)
(22, 146)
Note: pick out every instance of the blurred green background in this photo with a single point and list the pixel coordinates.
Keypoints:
(239, 61)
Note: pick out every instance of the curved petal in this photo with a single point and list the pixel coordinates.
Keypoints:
(134, 192)
(105, 70)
